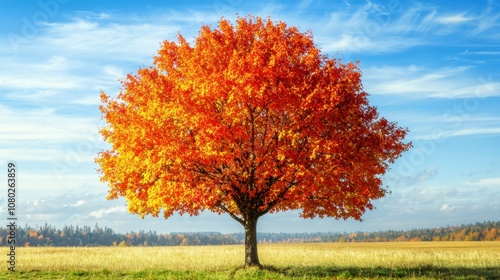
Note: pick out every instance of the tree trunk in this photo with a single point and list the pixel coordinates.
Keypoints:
(251, 256)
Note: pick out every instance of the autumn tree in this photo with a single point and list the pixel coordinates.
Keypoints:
(248, 119)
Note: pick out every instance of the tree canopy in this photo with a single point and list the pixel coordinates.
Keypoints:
(249, 119)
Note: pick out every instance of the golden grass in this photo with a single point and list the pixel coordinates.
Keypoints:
(404, 254)
(129, 258)
(219, 258)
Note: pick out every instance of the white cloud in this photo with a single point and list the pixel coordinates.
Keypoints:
(78, 58)
(447, 208)
(489, 19)
(371, 28)
(453, 19)
(15, 76)
(33, 126)
(393, 27)
(494, 182)
(101, 212)
(56, 62)
(38, 130)
(415, 178)
(481, 52)
(475, 131)
(77, 204)
(43, 218)
(114, 72)
(459, 132)
(131, 41)
(419, 82)
(33, 185)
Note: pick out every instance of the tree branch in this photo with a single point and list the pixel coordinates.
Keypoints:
(238, 219)
(278, 198)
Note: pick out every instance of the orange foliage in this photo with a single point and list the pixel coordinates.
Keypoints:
(492, 235)
(249, 119)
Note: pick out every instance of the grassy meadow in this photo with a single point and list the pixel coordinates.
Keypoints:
(407, 260)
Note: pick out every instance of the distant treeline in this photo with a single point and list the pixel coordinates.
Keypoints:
(48, 235)
(485, 231)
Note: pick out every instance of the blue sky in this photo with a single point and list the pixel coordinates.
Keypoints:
(431, 67)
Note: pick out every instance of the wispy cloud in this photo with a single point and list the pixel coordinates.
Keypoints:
(454, 19)
(92, 37)
(493, 182)
(51, 73)
(488, 20)
(45, 125)
(459, 132)
(419, 82)
(104, 211)
(379, 28)
(371, 28)
(411, 179)
(447, 208)
(467, 52)
(76, 204)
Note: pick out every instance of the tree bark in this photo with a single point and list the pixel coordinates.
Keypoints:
(251, 256)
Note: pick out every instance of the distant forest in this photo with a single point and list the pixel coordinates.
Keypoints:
(48, 235)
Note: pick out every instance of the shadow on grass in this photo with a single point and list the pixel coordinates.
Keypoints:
(269, 272)
(386, 272)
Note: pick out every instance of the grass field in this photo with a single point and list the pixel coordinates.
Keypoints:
(408, 260)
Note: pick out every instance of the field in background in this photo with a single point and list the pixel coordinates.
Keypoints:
(417, 260)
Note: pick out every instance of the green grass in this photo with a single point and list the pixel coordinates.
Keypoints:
(283, 273)
(404, 260)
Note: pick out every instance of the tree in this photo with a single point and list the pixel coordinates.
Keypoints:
(250, 119)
